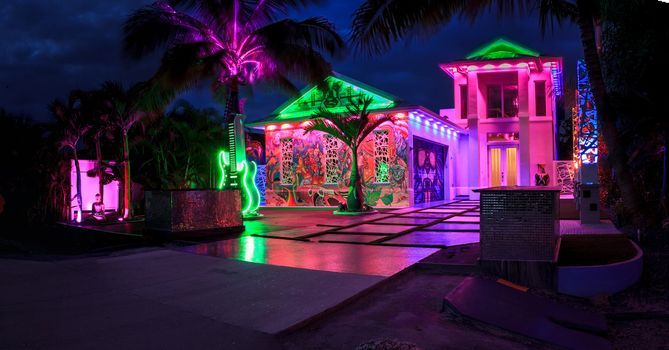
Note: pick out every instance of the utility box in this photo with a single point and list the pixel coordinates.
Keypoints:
(588, 203)
(587, 194)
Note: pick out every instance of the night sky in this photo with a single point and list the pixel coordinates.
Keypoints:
(51, 47)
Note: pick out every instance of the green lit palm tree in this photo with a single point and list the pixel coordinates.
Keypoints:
(351, 128)
(72, 126)
(377, 24)
(232, 44)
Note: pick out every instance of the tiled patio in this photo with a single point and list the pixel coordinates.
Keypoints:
(436, 225)
(380, 244)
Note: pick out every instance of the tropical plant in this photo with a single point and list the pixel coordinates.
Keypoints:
(351, 128)
(379, 23)
(176, 152)
(98, 117)
(233, 43)
(72, 126)
(125, 109)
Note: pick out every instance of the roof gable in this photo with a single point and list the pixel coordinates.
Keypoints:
(335, 99)
(501, 48)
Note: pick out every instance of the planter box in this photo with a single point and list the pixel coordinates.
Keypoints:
(194, 210)
(587, 281)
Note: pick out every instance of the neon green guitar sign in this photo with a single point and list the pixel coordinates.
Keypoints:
(250, 193)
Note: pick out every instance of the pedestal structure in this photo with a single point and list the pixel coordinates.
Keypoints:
(194, 210)
(587, 196)
(520, 232)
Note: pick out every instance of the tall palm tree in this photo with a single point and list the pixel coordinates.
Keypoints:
(351, 128)
(126, 108)
(98, 116)
(232, 43)
(72, 125)
(377, 24)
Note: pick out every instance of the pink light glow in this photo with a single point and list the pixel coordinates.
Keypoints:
(522, 65)
(547, 64)
(488, 66)
(505, 65)
(472, 67)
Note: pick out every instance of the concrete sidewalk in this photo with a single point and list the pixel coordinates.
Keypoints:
(161, 298)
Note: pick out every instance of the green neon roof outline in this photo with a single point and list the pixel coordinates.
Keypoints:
(501, 48)
(381, 99)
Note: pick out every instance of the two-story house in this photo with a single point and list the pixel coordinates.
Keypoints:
(504, 95)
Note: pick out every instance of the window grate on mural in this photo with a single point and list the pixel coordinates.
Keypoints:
(287, 161)
(381, 157)
(332, 160)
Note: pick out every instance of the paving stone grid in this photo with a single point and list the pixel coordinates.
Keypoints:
(439, 226)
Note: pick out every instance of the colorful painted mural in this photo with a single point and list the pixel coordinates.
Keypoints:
(301, 177)
(586, 129)
(428, 171)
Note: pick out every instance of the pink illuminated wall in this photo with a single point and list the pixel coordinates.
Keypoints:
(535, 143)
(89, 187)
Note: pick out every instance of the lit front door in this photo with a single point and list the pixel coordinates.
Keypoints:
(503, 165)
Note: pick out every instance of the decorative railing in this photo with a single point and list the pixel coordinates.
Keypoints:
(564, 176)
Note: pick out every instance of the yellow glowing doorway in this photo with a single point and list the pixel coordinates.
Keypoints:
(503, 165)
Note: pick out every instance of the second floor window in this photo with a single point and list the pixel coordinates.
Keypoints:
(463, 101)
(502, 101)
(540, 98)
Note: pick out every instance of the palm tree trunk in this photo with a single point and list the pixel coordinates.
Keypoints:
(354, 200)
(126, 176)
(605, 114)
(79, 200)
(232, 107)
(98, 154)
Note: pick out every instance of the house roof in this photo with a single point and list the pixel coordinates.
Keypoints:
(501, 48)
(314, 96)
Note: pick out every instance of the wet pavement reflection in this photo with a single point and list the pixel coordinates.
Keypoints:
(381, 244)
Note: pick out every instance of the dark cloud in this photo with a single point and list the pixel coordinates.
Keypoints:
(51, 47)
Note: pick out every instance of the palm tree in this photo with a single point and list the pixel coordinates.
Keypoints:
(98, 116)
(126, 108)
(379, 23)
(72, 125)
(351, 128)
(232, 43)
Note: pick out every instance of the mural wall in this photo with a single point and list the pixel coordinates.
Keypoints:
(586, 123)
(300, 177)
(428, 171)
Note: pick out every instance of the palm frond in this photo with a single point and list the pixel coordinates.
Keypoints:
(279, 81)
(332, 123)
(316, 32)
(295, 48)
(328, 128)
(159, 25)
(377, 24)
(553, 12)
